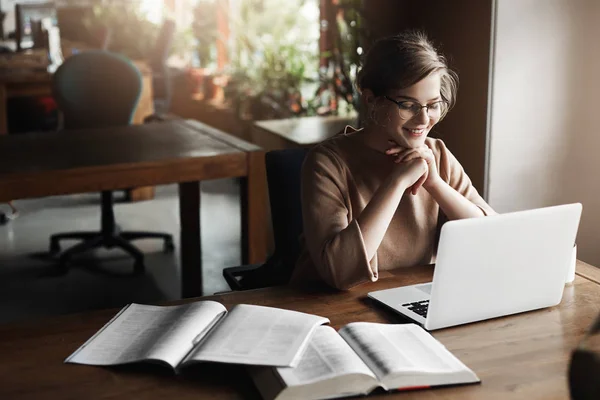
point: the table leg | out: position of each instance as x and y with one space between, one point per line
191 247
255 222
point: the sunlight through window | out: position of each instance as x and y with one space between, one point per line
153 9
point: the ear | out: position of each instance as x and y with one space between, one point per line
368 97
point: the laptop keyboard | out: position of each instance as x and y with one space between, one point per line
418 307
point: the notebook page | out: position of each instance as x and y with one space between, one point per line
256 335
326 356
390 348
142 332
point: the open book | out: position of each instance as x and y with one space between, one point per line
362 357
198 332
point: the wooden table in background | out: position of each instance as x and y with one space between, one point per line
21 85
524 356
178 151
212 112
279 134
40 84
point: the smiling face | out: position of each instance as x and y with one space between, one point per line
397 108
387 116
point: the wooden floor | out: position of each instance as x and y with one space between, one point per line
29 291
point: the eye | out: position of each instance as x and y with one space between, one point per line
408 105
435 106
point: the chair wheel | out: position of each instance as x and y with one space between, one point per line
6 218
138 268
54 247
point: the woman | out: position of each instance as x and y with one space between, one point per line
374 199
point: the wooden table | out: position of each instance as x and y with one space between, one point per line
21 85
40 84
178 151
212 112
297 132
517 357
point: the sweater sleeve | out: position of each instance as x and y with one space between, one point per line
454 174
334 242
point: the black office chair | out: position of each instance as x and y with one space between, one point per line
98 89
283 176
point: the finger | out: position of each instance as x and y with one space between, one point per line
421 180
427 159
409 157
419 183
429 149
413 155
414 189
427 155
395 150
398 151
403 157
396 146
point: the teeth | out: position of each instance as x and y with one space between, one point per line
417 130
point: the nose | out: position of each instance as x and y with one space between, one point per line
422 116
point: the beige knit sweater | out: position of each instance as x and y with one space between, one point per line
339 178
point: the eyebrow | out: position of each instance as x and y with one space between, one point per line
417 101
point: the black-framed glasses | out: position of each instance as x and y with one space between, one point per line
409 109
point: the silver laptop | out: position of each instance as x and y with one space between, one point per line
493 266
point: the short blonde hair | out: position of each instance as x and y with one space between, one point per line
400 61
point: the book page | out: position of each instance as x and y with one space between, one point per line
393 348
326 356
257 335
142 332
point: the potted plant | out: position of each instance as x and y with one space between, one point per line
206 33
274 59
347 33
131 33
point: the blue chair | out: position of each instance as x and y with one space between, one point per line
98 89
283 177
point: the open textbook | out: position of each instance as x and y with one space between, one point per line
362 357
199 332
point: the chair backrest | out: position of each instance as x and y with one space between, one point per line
283 176
97 89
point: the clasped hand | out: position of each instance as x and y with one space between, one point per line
411 166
